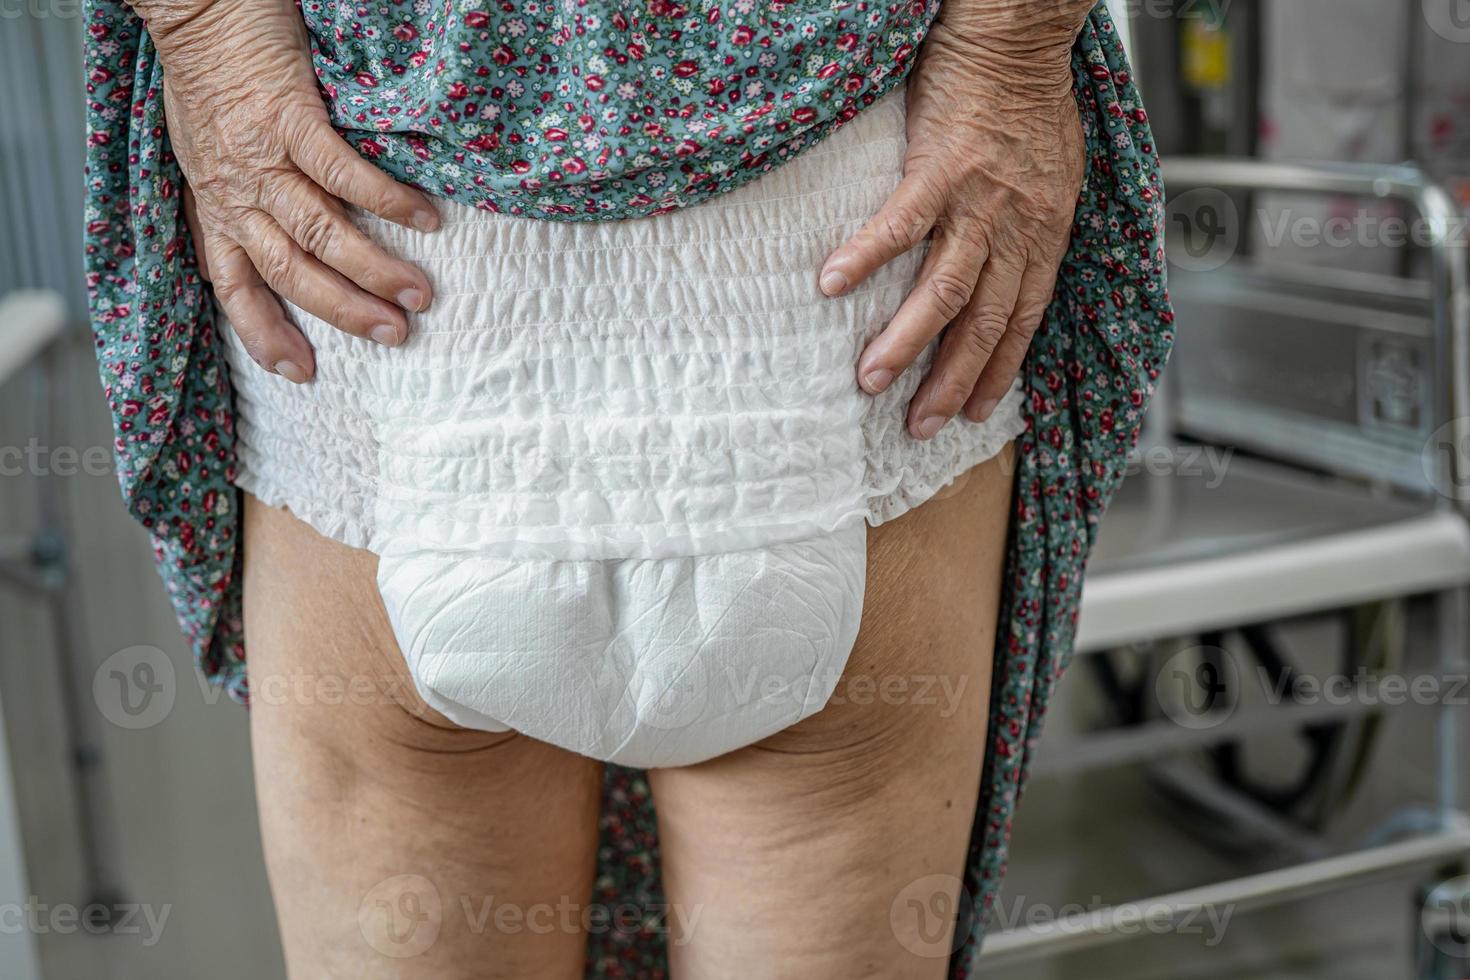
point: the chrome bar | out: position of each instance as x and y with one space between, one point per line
1448 248
19 957
1454 616
1163 737
1450 258
1086 930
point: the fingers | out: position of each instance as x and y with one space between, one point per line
1005 363
942 289
326 294
327 159
256 316
976 334
902 222
319 225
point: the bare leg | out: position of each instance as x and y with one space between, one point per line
398 844
833 848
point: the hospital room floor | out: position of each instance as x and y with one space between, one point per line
1110 836
181 797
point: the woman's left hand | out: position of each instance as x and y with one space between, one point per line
995 162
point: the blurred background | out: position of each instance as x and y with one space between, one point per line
1253 767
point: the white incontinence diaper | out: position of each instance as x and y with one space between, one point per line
620 476
646 662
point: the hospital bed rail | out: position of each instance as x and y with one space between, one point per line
1380 549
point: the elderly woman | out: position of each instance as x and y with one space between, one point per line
609 403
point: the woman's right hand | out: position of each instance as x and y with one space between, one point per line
267 176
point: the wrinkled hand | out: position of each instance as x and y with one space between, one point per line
995 162
267 176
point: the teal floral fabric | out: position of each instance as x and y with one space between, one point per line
602 110
615 110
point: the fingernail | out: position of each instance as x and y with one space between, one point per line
386 334
291 371
833 282
928 428
877 381
411 299
425 220
984 409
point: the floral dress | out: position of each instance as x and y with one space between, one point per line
612 111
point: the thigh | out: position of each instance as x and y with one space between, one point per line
397 844
829 848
